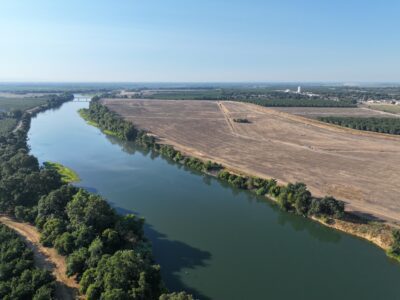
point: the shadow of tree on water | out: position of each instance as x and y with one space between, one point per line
173 256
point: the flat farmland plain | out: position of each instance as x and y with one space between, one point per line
315 112
361 168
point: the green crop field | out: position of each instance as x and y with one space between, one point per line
11 103
390 108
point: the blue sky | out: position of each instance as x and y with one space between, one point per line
204 40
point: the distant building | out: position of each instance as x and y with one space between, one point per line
299 90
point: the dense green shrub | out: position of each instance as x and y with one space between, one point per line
327 206
394 250
126 274
19 279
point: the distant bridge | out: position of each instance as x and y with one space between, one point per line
82 99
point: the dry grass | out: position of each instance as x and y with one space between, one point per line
389 108
359 167
314 112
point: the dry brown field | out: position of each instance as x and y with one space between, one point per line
314 112
361 168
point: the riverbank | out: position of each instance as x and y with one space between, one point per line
85 116
377 233
67 175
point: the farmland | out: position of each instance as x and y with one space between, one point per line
20 103
357 167
389 108
315 112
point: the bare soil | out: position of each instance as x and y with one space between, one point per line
361 168
46 258
315 112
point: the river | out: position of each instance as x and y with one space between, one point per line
210 239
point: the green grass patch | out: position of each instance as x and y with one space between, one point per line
82 112
67 175
109 132
393 255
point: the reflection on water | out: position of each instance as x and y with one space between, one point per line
314 229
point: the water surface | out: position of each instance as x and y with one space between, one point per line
210 239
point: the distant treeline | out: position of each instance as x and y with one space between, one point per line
263 97
382 125
293 197
311 102
19 279
107 252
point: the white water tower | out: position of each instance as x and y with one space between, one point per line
299 90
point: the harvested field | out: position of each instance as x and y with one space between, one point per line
389 108
315 112
361 168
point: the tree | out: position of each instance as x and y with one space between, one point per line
327 206
130 227
77 262
44 293
53 204
88 278
51 230
64 243
111 240
115 294
126 272
96 251
90 210
83 236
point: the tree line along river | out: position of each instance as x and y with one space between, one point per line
210 239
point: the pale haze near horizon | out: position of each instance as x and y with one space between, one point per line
199 41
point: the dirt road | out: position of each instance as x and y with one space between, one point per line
46 258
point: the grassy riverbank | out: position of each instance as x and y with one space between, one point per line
294 198
85 116
67 175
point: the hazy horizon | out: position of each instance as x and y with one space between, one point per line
200 42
